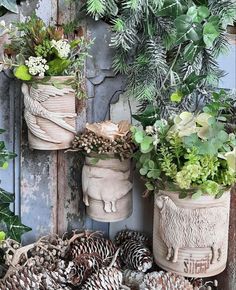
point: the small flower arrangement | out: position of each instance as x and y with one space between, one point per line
105 139
36 50
188 153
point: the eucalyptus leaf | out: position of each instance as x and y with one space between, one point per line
197 194
146 144
143 171
139 136
10 5
149 186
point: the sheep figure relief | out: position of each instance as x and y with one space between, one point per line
105 184
191 228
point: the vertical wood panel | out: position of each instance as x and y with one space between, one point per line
227 280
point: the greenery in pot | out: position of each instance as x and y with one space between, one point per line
37 50
105 139
191 154
10 224
167 49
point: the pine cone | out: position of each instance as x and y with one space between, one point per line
82 267
34 278
24 279
124 235
133 278
136 256
104 279
104 248
164 281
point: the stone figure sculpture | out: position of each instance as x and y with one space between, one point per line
105 184
34 99
188 228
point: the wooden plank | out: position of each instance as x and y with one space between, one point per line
227 279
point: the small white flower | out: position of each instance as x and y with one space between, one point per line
156 140
149 129
37 65
2 23
62 47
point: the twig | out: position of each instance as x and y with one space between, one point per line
114 259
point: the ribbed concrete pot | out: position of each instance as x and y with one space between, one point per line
107 189
50 114
190 237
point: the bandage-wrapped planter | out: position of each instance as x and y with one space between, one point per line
190 236
50 113
107 189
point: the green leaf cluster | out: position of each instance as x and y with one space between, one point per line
10 223
191 153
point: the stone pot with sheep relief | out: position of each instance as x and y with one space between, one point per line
190 236
107 189
50 113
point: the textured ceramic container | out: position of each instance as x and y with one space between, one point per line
107 189
190 236
50 114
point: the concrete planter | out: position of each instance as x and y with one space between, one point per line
50 114
107 189
190 237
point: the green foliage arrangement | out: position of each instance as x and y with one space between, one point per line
37 50
10 224
188 153
168 48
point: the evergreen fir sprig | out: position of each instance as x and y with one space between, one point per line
168 48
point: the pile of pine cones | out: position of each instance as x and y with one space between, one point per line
85 261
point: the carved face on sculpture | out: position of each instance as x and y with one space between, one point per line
160 201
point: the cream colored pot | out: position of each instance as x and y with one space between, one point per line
107 189
50 114
190 237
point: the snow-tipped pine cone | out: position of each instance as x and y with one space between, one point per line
104 279
164 281
125 235
106 249
82 267
136 256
